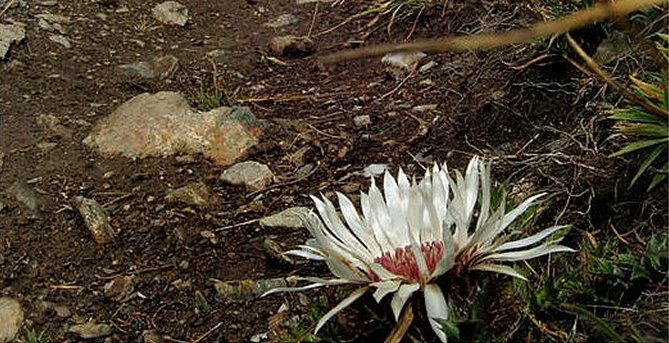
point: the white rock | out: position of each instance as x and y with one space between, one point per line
171 13
11 317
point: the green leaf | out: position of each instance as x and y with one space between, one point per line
637 115
648 130
659 177
647 162
639 145
599 323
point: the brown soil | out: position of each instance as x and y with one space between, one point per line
541 123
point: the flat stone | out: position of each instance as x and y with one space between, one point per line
9 34
290 217
196 193
281 21
251 174
246 290
137 69
62 40
24 194
96 219
91 330
171 13
11 317
164 124
292 46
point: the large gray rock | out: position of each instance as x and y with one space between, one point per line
171 13
11 317
164 124
9 34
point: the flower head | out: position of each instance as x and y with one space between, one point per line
403 241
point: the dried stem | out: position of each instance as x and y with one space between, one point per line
486 41
402 326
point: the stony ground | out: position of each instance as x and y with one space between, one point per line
124 224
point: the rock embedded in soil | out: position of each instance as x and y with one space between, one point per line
290 218
96 219
164 124
2 160
61 40
25 195
196 193
251 174
292 46
137 69
11 317
10 34
91 330
171 13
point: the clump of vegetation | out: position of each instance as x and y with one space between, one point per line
649 128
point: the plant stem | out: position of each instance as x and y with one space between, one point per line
486 41
402 325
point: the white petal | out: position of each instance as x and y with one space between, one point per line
305 254
521 243
513 214
365 234
401 297
484 212
498 268
527 254
342 305
384 288
292 289
437 309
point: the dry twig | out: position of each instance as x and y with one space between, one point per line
487 41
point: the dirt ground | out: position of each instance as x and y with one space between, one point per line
543 125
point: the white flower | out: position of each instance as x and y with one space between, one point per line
403 241
480 249
398 246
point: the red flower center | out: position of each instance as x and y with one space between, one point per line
402 261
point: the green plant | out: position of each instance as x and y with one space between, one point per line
33 337
650 129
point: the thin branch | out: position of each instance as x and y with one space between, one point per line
633 98
487 41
